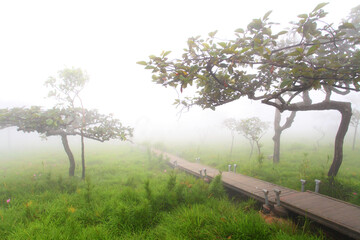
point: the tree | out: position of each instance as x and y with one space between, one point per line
66 89
253 129
355 121
231 124
65 122
278 129
252 65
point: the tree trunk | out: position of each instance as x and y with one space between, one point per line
82 155
354 139
339 140
69 154
258 147
278 131
252 148
345 109
276 139
232 144
82 139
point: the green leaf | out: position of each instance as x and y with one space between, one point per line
268 51
206 46
312 50
303 16
347 26
285 83
49 122
319 6
166 53
212 34
267 15
239 30
222 44
255 24
244 50
300 50
282 32
142 63
294 53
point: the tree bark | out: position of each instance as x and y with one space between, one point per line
69 154
354 139
276 138
252 148
82 155
276 153
232 144
278 131
345 109
339 140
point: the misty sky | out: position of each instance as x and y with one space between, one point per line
107 38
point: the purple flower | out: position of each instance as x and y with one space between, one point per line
8 201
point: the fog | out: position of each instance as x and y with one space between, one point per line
107 38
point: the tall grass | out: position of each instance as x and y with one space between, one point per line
127 195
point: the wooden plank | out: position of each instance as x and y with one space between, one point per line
338 215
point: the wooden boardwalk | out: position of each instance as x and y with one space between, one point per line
333 213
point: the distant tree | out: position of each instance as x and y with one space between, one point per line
231 124
278 129
322 135
355 120
65 122
252 65
253 129
66 90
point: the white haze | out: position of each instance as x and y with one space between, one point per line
107 38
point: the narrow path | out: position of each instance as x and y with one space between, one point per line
333 213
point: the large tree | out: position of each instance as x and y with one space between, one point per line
65 122
252 65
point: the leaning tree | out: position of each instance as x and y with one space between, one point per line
326 57
65 122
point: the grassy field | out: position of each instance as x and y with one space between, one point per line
298 161
128 194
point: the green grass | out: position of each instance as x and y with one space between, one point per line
128 194
298 161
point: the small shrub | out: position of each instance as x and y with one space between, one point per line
216 188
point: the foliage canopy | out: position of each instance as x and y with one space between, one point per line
258 65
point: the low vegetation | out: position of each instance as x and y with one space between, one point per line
298 161
128 194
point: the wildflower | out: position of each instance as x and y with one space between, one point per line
354 193
165 171
72 209
28 204
8 201
34 175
